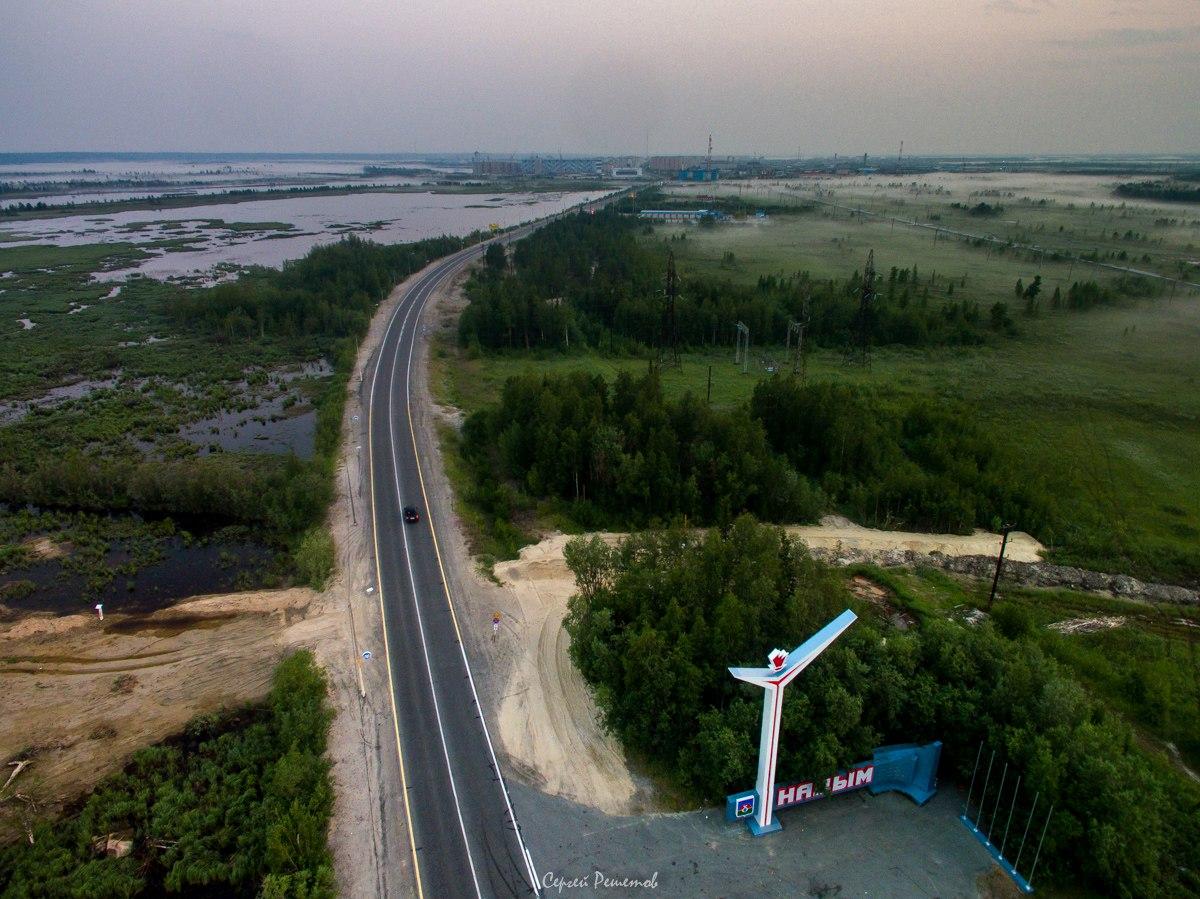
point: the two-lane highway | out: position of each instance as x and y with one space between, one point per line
462 830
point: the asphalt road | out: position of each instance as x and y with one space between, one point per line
463 833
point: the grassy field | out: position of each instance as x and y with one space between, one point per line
1102 402
1116 426
1072 216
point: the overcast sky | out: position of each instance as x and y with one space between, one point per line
764 76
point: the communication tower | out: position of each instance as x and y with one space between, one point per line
668 347
797 327
859 349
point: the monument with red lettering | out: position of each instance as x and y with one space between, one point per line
908 768
784 666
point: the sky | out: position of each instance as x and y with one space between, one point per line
764 77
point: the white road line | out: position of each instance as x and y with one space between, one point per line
413 584
412 839
531 870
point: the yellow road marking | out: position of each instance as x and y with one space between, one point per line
412 838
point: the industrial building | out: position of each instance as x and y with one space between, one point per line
681 215
502 168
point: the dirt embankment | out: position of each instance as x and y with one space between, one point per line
81 694
838 535
840 542
548 720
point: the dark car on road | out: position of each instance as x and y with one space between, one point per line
411 515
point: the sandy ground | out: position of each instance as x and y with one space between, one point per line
80 694
835 532
547 718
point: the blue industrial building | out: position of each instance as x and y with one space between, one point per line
680 215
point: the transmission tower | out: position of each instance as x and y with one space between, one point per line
668 346
708 173
741 354
859 349
797 327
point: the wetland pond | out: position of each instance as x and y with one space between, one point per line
133 573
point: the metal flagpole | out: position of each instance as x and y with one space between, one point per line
983 795
967 804
996 807
1038 854
1026 834
1011 809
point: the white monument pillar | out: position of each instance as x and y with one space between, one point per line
784 666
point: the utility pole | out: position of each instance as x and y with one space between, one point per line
742 352
999 564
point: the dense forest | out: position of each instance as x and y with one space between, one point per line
238 805
657 619
623 456
626 456
589 281
889 462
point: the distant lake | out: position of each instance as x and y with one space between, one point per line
382 217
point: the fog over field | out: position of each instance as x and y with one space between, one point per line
768 76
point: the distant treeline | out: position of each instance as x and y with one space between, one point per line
1170 190
238 805
626 457
588 280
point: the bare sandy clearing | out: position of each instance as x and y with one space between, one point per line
835 532
548 721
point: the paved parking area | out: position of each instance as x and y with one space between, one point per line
855 845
